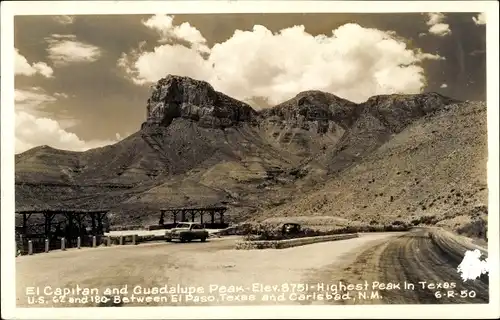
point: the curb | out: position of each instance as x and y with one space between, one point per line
282 244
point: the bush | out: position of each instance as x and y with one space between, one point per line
428 220
476 229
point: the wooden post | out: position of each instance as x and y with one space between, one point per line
47 245
212 214
78 242
94 242
46 224
78 219
193 213
25 223
108 241
63 244
100 228
183 216
49 226
174 213
30 247
121 240
71 229
92 215
21 239
134 239
201 217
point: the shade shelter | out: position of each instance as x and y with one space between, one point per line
211 217
53 224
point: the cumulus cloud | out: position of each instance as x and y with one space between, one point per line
35 127
23 67
64 19
480 19
32 131
66 49
163 24
436 25
353 62
444 85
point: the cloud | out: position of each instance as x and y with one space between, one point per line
61 95
477 52
436 25
163 24
22 67
353 62
32 131
444 85
32 99
64 19
34 127
428 56
480 19
66 49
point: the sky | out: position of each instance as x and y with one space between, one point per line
82 81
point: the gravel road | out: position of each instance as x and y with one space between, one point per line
216 266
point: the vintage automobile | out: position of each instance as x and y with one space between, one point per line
187 231
290 228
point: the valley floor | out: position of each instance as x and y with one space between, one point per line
376 257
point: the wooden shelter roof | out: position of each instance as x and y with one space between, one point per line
195 209
73 211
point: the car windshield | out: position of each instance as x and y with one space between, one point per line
182 225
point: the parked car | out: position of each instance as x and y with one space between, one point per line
187 231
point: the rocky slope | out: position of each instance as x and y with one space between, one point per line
315 155
432 172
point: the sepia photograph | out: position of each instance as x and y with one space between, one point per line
217 154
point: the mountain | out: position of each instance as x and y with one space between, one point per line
315 155
433 171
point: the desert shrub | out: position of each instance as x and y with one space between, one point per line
399 227
262 232
398 223
274 232
476 228
428 220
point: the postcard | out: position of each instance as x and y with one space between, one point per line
249 159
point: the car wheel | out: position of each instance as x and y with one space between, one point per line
183 239
203 239
169 240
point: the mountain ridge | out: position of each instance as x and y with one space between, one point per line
200 147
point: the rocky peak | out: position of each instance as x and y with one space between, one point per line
184 97
396 111
315 105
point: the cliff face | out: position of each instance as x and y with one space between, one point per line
396 111
183 97
308 123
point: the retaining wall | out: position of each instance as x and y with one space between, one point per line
282 244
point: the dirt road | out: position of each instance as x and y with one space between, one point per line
426 258
288 276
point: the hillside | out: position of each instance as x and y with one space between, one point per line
432 172
315 155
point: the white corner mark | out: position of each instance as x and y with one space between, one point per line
472 266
